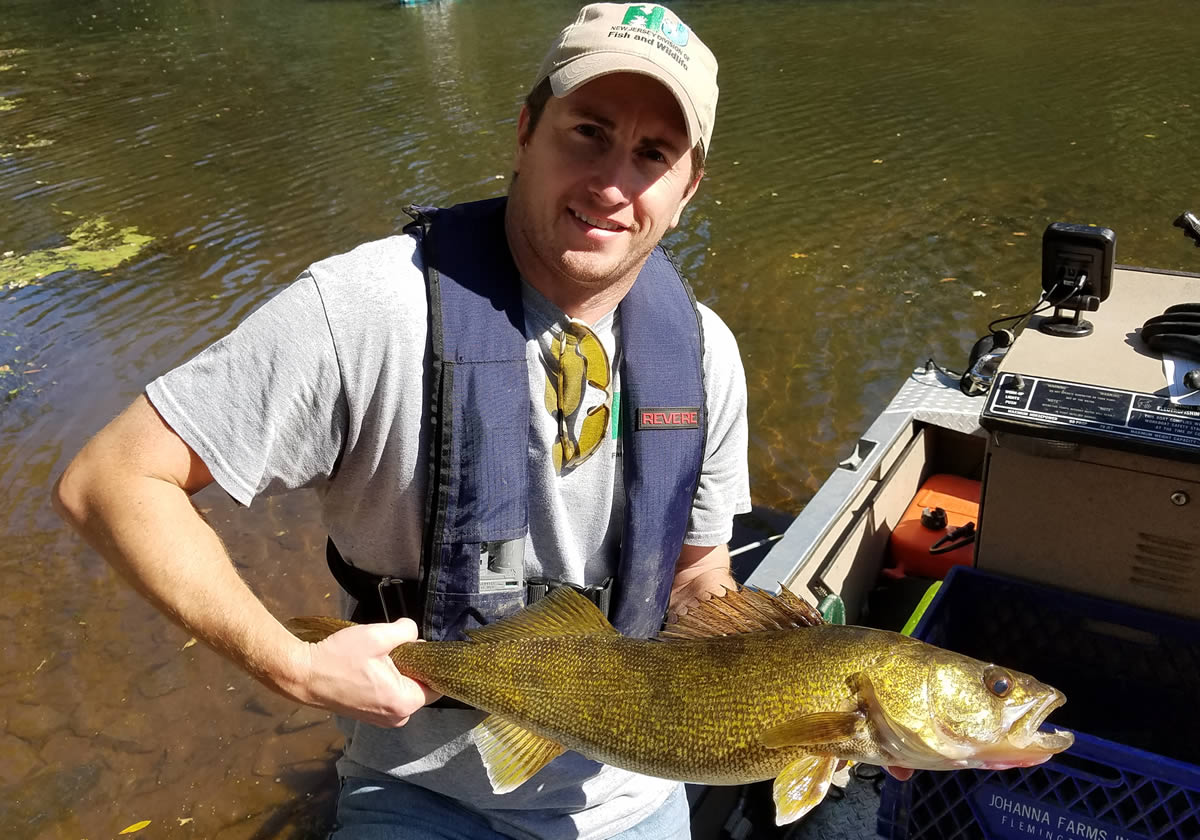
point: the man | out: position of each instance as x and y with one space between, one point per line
517 395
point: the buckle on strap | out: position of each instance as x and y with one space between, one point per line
600 594
394 585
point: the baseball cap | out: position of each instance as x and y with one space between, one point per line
637 38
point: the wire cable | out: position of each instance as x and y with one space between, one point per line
1044 299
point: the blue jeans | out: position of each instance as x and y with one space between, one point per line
372 810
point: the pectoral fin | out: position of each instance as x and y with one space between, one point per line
511 753
801 787
819 728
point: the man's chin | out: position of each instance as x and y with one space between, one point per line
587 268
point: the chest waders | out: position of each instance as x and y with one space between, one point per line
477 510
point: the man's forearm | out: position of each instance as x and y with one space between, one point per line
148 530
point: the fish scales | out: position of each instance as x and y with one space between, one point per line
684 709
744 687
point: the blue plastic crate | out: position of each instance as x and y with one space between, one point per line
1132 680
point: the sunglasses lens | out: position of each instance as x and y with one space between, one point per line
594 427
597 360
581 361
570 376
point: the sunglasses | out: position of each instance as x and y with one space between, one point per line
581 359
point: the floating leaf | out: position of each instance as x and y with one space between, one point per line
184 820
877 160
137 826
978 293
948 279
1018 233
188 643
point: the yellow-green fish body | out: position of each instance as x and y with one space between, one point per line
745 688
691 709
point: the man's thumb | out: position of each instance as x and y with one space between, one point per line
398 632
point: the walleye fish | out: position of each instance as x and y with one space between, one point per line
745 687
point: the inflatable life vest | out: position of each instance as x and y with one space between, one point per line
479 414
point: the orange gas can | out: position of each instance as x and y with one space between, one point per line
917 548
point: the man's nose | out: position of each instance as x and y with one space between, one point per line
611 178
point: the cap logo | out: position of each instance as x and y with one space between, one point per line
655 19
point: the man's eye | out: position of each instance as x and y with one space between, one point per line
588 130
654 155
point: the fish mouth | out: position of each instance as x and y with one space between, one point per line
1027 743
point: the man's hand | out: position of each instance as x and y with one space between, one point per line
900 773
700 573
351 674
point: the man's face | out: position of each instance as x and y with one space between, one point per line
605 173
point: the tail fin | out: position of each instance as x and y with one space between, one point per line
314 628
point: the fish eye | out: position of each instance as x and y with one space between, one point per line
998 681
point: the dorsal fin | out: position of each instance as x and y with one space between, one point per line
564 612
744 610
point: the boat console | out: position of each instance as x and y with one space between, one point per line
1092 473
1085 441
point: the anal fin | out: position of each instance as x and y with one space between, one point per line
801 787
511 753
818 728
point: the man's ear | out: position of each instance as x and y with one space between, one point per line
687 196
522 137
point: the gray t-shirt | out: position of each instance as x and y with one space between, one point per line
325 386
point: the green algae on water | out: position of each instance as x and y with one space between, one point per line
95 246
32 141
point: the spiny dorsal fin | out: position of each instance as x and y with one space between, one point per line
511 753
744 610
801 787
564 612
314 628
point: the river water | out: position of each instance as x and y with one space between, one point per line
879 180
